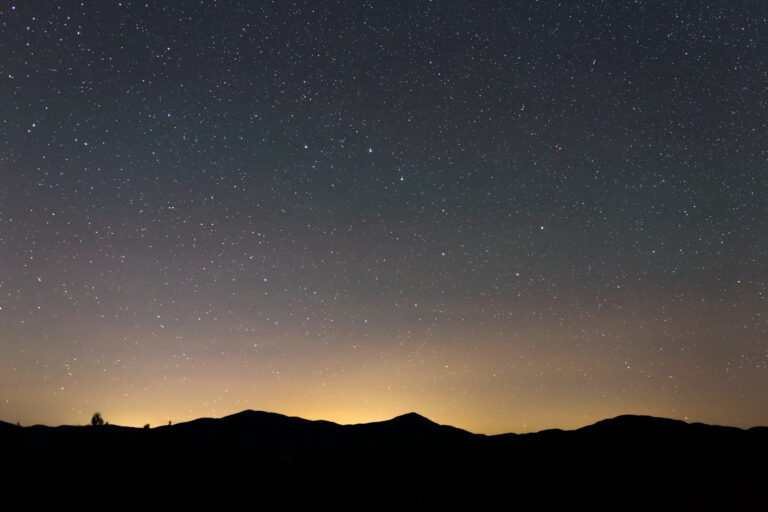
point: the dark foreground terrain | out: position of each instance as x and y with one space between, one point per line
257 460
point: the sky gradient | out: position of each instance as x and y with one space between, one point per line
505 216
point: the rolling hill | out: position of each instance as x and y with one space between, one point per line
628 462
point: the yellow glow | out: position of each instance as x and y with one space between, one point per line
533 380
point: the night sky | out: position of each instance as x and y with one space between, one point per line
506 216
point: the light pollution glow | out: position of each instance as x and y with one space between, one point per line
552 381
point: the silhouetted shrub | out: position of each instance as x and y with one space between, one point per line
97 420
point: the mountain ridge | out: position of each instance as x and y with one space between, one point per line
414 419
627 462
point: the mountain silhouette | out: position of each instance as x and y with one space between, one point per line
627 462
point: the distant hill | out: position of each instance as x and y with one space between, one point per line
628 462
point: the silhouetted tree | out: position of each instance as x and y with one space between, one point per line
97 420
146 426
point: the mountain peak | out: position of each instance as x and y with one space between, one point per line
412 417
